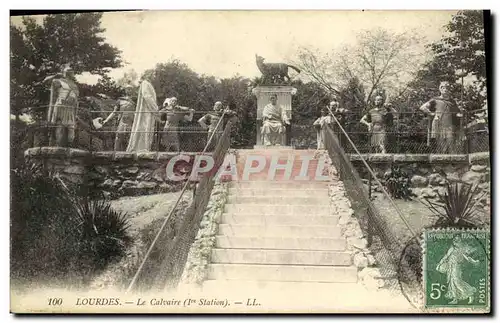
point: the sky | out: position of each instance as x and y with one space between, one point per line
224 43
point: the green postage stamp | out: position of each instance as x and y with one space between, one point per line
456 269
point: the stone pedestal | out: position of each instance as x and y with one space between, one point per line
284 94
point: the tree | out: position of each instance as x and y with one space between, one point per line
175 79
464 47
460 53
39 50
379 59
129 77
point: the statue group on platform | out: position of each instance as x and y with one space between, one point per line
138 119
381 118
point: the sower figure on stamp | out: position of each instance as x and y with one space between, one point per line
445 120
452 264
212 119
273 118
63 106
374 120
320 124
125 107
174 114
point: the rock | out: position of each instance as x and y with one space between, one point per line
472 177
436 179
129 184
132 170
371 260
427 192
75 169
360 261
478 168
441 191
344 220
358 243
419 181
370 272
485 186
101 170
107 183
373 283
148 185
453 176
116 183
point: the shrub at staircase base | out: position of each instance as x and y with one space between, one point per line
199 255
59 234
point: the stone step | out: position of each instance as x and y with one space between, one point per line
281 200
278 192
277 209
258 231
294 185
290 273
291 243
281 257
275 219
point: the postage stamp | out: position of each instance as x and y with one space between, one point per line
456 269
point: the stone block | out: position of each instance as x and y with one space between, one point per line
147 155
75 169
79 153
448 158
123 156
413 158
419 181
54 152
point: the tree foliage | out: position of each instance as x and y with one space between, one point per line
458 54
379 59
39 50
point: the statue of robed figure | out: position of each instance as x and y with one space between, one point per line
146 113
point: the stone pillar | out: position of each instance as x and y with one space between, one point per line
263 94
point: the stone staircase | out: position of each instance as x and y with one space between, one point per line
280 231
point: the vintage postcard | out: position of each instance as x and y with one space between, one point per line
250 162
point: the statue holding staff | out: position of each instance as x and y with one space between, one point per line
210 120
445 116
125 107
374 120
320 124
174 114
63 106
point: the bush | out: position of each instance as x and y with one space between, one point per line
455 208
397 183
56 233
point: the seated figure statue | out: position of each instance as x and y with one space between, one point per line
273 119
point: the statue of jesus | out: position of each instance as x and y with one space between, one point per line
273 118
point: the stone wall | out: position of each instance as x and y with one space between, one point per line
115 173
430 173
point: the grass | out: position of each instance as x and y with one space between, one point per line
146 215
